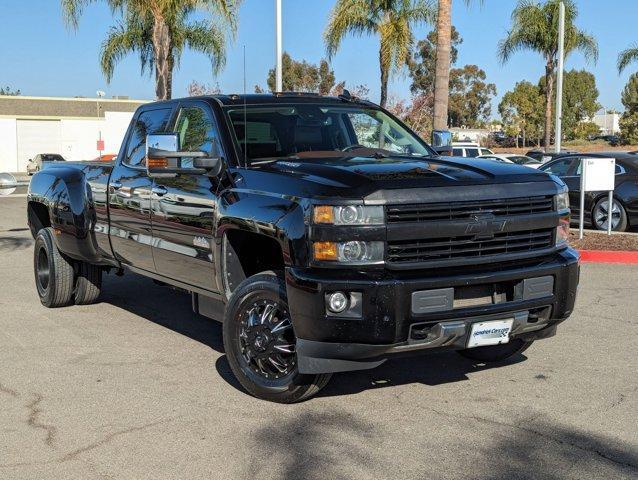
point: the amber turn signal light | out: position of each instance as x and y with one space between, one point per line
157 162
325 250
323 214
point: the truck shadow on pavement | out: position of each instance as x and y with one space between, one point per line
339 444
172 309
11 243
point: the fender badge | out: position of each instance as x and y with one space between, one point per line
201 242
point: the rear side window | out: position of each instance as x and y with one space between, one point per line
149 122
486 151
560 167
457 152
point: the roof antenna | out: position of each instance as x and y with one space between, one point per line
245 122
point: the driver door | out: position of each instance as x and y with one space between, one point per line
183 207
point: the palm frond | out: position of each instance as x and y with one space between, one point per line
204 37
627 56
126 37
356 17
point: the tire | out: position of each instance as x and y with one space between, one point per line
599 215
496 353
256 326
88 284
54 276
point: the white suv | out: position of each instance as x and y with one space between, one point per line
465 149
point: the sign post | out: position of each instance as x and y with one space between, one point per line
100 145
597 175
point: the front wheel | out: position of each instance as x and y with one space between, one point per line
260 342
601 215
496 353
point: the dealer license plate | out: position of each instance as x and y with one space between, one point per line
493 332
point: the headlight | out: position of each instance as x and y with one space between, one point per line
348 215
562 201
353 252
562 231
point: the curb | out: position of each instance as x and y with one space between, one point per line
608 256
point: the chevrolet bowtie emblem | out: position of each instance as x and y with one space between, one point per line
484 225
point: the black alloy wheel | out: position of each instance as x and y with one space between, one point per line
601 215
266 339
260 341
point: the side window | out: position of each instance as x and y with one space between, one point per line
457 152
149 122
486 151
196 131
472 152
559 168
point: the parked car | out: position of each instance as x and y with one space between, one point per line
322 246
514 158
625 204
37 163
544 157
106 157
612 140
469 149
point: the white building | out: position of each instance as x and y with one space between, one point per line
609 123
68 126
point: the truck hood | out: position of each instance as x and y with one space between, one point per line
370 174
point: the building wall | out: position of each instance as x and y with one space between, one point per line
8 145
81 121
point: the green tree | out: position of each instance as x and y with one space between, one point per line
301 76
422 62
580 102
627 56
9 92
629 96
158 31
470 100
535 27
629 120
391 20
521 111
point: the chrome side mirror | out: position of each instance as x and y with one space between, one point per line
164 158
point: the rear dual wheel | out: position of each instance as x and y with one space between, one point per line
260 342
60 281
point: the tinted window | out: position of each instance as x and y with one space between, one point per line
472 152
560 167
485 151
300 131
51 157
149 122
457 152
196 132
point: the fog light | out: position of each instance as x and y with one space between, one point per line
337 302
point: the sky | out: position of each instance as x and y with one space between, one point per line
41 57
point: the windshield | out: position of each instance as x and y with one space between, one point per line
52 157
310 131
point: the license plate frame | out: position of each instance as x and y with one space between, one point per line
490 332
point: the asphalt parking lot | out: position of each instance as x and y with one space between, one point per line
138 386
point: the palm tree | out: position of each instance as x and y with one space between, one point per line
442 69
535 27
391 20
443 62
158 31
627 56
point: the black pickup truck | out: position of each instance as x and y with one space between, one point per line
322 232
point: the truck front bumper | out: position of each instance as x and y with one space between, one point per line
391 323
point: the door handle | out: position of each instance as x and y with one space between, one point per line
116 185
160 190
